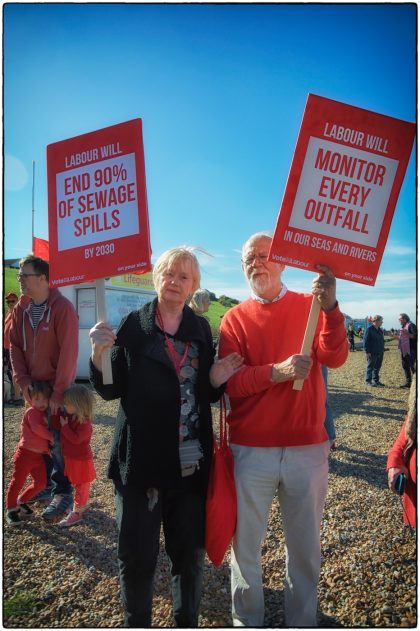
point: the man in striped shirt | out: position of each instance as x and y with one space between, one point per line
44 347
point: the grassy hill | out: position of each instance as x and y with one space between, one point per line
214 314
10 282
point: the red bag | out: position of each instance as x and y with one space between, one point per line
221 496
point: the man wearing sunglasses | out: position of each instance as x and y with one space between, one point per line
44 346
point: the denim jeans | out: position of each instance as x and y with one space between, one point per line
182 514
61 484
373 367
329 417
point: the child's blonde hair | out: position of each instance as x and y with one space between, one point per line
82 399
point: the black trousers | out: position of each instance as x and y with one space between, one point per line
182 513
407 362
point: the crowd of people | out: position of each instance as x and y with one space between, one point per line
166 375
374 347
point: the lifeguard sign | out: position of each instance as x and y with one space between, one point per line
343 186
97 205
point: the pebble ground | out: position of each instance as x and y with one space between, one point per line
67 578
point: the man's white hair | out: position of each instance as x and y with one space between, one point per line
256 237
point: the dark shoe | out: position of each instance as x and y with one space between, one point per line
406 385
12 517
371 383
60 505
42 496
25 511
327 622
379 383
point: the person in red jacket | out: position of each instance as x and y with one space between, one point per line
277 434
35 439
76 433
11 300
402 458
44 337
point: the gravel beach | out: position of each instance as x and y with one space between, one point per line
67 578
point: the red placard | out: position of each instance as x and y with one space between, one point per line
97 205
342 189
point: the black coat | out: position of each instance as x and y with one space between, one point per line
145 448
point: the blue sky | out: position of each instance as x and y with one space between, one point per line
221 91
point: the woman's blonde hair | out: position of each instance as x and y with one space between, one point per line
174 256
82 399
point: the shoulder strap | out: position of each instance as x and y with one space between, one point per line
223 439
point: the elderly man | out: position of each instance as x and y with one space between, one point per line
277 433
44 338
374 346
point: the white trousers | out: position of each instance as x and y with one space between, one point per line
300 476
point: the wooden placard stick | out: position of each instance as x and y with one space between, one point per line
309 335
102 317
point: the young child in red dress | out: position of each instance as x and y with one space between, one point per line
76 433
35 439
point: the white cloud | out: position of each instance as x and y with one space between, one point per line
398 279
389 308
15 174
394 249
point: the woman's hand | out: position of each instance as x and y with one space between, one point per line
323 287
393 474
223 369
63 421
101 337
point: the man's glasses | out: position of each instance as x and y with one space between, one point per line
256 257
20 276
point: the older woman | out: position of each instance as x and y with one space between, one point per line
165 375
200 301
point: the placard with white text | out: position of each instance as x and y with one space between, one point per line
342 189
97 205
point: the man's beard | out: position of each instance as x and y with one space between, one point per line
260 283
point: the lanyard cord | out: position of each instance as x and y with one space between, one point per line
176 360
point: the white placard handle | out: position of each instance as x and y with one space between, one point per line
102 317
309 335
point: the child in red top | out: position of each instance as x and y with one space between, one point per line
35 439
76 432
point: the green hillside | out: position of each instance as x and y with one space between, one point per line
214 314
10 282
